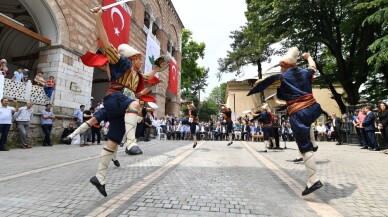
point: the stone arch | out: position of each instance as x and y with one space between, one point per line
44 18
37 16
158 22
148 9
160 15
175 36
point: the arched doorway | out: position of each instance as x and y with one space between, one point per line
100 85
31 23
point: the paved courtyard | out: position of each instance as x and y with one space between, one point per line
173 179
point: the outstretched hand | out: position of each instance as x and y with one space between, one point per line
97 11
306 56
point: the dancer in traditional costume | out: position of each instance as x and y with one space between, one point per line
121 110
296 89
132 83
193 118
227 115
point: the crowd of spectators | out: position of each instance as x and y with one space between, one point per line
365 123
247 128
21 74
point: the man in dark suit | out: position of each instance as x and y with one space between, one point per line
337 123
369 126
246 131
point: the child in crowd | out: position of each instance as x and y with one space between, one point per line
49 87
18 74
3 67
39 80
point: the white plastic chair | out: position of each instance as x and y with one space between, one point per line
161 134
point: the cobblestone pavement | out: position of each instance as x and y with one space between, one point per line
172 179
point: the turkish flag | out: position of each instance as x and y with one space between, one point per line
117 22
173 80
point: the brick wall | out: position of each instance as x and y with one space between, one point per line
78 35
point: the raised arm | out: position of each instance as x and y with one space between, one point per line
310 60
144 91
100 28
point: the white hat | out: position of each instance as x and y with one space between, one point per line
127 51
291 56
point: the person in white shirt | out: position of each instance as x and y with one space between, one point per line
321 131
6 113
163 124
23 118
158 125
154 124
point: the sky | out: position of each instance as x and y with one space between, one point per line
211 22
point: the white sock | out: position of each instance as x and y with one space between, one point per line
195 138
130 129
230 137
311 167
312 137
81 129
105 159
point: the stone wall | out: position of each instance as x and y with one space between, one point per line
36 134
73 79
78 35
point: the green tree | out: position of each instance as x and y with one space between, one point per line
207 109
376 86
193 77
330 30
210 106
218 94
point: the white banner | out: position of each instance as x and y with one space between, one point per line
1 86
152 52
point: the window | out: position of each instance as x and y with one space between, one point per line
147 19
173 50
169 46
154 28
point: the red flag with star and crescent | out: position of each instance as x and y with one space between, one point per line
173 80
117 22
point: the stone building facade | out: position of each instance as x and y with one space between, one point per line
70 28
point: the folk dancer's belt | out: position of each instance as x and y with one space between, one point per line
300 103
121 88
